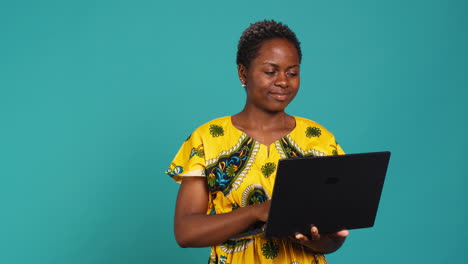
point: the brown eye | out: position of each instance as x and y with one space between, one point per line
269 73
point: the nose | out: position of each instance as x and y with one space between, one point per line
282 80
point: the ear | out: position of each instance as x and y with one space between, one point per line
242 72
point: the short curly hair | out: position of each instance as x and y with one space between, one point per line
252 38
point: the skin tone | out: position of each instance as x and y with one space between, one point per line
272 80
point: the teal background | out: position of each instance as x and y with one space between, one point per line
97 96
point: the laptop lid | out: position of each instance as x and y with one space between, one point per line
330 192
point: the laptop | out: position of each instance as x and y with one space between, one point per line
330 192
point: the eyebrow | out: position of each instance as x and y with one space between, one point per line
276 65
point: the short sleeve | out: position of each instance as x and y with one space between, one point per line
336 148
339 150
189 160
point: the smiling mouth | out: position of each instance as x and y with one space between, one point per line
279 96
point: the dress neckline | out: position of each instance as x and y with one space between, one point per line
247 135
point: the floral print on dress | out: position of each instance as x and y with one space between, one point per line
313 132
198 151
268 169
232 246
216 131
222 174
174 170
254 194
239 172
270 249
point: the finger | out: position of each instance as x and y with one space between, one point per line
301 237
342 233
314 233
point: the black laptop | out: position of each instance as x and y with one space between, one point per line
330 192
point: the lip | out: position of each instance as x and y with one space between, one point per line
279 96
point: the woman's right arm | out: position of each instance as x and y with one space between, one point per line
194 228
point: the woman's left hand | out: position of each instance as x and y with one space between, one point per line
322 243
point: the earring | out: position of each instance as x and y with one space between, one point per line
243 84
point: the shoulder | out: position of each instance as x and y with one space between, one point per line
310 127
313 136
216 136
215 127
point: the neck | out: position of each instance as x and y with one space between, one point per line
264 127
256 119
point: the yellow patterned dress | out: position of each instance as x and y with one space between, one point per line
240 171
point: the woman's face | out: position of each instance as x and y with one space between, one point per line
272 78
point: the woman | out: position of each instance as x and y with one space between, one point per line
227 166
